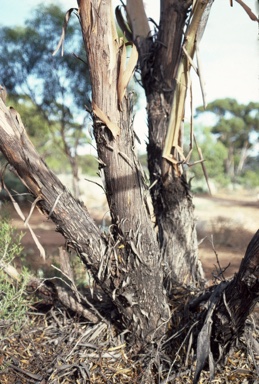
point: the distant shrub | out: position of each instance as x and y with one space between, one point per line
88 165
250 179
14 185
14 302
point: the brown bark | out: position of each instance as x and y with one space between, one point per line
223 320
54 200
171 194
131 224
133 283
240 297
129 263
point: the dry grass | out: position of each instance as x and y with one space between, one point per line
56 348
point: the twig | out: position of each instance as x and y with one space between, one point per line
55 204
26 373
177 352
32 209
219 270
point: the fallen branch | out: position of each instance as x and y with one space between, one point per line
52 293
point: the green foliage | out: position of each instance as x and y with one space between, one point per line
10 244
58 163
237 129
35 123
214 152
249 179
14 304
88 165
27 61
49 92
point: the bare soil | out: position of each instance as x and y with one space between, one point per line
225 223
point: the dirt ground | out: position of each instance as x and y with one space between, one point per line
225 223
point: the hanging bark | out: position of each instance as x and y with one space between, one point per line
133 283
131 224
129 263
171 196
227 309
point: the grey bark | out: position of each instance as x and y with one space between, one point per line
130 263
171 195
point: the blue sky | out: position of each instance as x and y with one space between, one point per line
229 49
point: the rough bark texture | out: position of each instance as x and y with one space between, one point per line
223 320
140 283
128 274
129 263
171 195
70 216
240 297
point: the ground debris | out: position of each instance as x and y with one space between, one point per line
58 348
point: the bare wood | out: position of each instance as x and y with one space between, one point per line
138 19
193 36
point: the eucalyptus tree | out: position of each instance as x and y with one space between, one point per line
237 128
149 256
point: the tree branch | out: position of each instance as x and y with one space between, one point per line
80 232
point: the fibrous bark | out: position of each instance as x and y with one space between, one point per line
139 285
223 320
171 196
133 263
127 272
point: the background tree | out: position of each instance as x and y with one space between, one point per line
214 154
237 128
53 89
141 268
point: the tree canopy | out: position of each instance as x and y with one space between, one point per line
237 128
55 89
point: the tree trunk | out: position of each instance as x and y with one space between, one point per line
140 282
241 295
133 263
170 193
243 158
126 265
227 309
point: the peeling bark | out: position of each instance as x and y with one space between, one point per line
229 305
240 298
127 272
171 196
133 263
139 281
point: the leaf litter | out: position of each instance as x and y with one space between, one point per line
55 346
